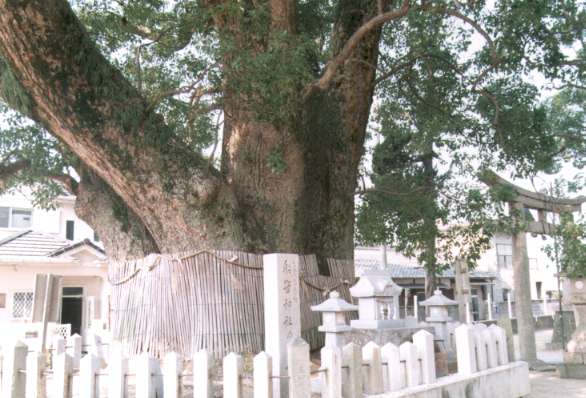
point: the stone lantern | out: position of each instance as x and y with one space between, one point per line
438 305
378 302
334 319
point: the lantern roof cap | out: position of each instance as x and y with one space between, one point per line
375 284
438 300
334 304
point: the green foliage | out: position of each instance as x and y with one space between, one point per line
448 111
572 235
449 101
275 162
568 249
22 140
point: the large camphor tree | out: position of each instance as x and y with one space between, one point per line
239 124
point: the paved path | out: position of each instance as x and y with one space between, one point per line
549 384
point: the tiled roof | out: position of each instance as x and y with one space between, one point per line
29 243
36 244
402 271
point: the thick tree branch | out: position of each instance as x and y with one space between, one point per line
9 170
378 21
351 44
67 181
87 104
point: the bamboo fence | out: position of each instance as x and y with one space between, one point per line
209 300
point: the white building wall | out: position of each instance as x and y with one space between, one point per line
542 268
47 221
21 278
393 257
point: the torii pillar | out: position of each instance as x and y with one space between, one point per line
522 291
519 205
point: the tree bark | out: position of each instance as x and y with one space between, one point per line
171 199
429 222
120 231
87 104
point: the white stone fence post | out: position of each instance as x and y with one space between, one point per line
350 372
479 348
25 374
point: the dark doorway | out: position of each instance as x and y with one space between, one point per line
72 308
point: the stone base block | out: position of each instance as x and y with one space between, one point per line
377 324
381 337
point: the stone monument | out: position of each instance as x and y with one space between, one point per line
379 319
282 313
378 301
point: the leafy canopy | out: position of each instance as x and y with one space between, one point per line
447 112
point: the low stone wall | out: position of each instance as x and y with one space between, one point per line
507 381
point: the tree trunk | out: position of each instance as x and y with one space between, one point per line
429 222
287 188
120 231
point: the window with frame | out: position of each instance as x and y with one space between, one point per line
69 229
15 218
504 253
22 304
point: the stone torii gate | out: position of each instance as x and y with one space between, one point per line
522 201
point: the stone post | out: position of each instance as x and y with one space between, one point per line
262 376
282 313
35 375
172 368
334 319
352 360
462 295
415 308
201 375
466 352
406 301
299 369
13 370
522 285
468 313
489 305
